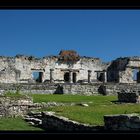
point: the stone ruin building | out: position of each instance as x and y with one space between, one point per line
68 67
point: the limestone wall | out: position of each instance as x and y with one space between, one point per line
129 96
134 63
53 123
126 76
82 67
121 70
123 122
82 89
26 65
20 69
10 107
116 66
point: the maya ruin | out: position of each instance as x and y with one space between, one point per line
69 73
68 67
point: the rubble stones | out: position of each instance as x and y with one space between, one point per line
13 107
129 96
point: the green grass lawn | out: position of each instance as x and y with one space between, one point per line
73 98
15 95
94 114
98 107
16 124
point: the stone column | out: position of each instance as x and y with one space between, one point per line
89 76
70 77
105 77
51 76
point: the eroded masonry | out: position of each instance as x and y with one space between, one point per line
68 67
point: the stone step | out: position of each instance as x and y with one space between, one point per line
34 120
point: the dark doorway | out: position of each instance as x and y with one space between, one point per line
101 77
59 90
37 76
136 75
66 77
74 77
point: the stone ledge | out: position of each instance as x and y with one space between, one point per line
129 96
52 122
122 122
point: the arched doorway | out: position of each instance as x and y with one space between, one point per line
66 77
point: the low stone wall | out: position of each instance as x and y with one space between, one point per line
82 89
123 122
29 88
128 96
53 123
13 107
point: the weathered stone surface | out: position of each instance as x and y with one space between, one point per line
79 69
20 68
51 122
121 70
82 104
14 107
82 89
34 121
123 122
54 123
129 96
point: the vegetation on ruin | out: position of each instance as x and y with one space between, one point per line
68 56
16 124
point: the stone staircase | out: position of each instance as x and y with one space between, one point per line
34 118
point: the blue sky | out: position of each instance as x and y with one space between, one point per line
107 34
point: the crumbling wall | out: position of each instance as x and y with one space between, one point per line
126 76
12 107
122 122
54 123
129 96
8 72
81 67
9 75
116 69
121 70
52 63
81 89
93 64
134 62
26 65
